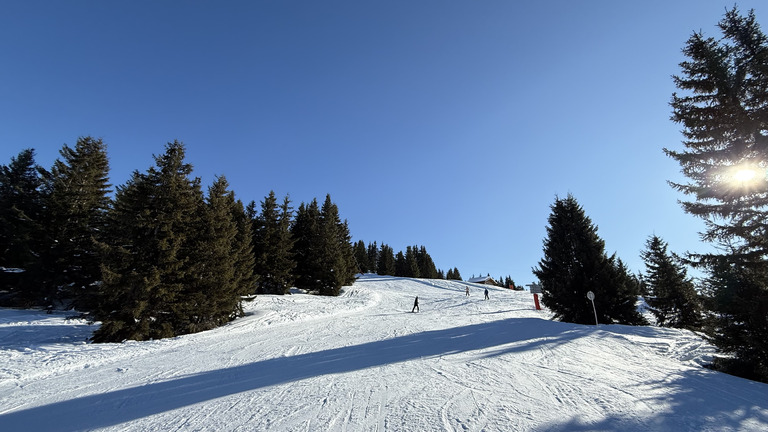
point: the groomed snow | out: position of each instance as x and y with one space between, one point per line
364 362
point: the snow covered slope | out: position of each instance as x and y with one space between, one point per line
364 362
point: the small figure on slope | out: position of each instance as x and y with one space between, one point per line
415 305
486 293
467 291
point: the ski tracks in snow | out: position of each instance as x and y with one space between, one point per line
363 362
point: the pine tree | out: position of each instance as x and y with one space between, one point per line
242 251
401 266
373 256
574 263
337 256
306 247
411 262
454 274
427 267
21 230
273 246
736 295
150 258
213 297
361 256
724 123
75 219
386 262
672 296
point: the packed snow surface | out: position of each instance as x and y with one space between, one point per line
364 362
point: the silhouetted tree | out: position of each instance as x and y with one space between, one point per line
574 263
672 296
273 245
725 128
75 219
21 231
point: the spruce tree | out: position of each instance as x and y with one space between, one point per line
454 274
672 296
273 246
361 256
339 267
75 219
722 111
427 267
150 260
212 297
373 257
386 262
21 231
242 251
401 266
574 263
411 262
306 247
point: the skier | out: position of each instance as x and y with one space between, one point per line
415 305
486 293
467 291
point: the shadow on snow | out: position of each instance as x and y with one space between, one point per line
119 406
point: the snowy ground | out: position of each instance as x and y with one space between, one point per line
363 362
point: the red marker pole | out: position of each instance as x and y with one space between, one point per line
536 301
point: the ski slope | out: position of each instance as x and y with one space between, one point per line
364 362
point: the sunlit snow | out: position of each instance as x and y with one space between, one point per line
364 362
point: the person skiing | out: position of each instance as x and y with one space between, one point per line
467 291
486 293
415 305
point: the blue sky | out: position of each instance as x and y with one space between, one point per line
448 124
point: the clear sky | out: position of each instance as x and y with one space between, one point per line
448 124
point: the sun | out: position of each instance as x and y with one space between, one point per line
745 175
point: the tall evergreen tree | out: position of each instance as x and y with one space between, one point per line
244 259
411 262
672 296
453 274
361 256
75 219
273 246
212 297
306 247
427 267
21 230
401 265
574 263
149 260
722 110
373 256
339 267
386 262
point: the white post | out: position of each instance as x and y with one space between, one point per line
591 297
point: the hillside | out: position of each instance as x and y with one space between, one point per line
363 361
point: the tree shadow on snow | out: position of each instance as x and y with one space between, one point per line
692 400
25 337
116 407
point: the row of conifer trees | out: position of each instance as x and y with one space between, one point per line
161 257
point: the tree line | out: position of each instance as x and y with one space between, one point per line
723 109
162 257
415 262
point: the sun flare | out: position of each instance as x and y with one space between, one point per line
745 175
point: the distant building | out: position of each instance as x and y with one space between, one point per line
487 280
